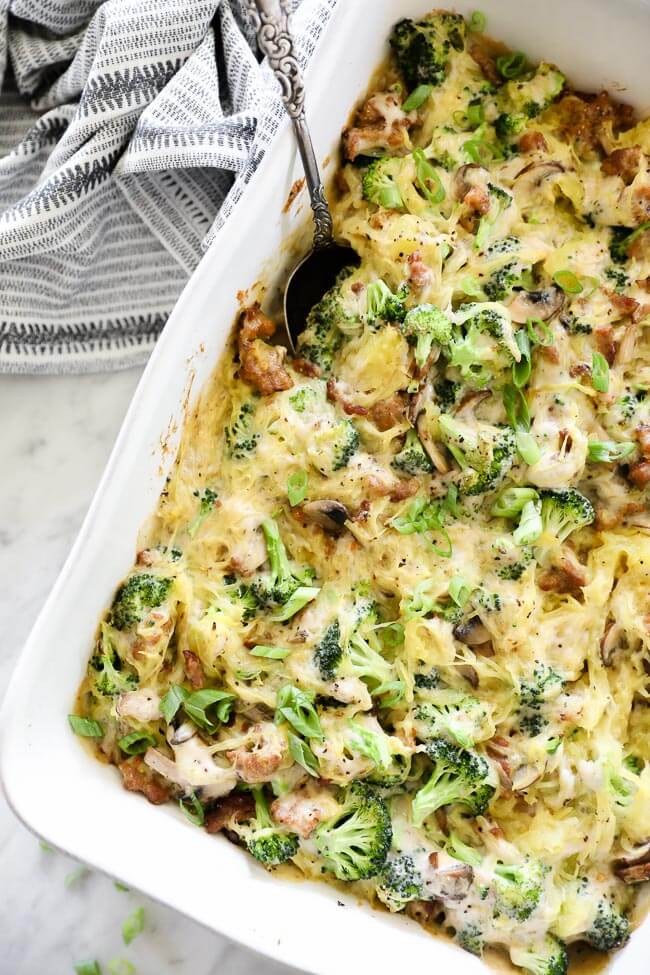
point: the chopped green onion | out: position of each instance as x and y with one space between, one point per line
592 283
599 372
417 97
85 727
478 151
427 178
450 503
392 635
539 332
75 875
295 706
136 743
297 487
478 22
516 407
552 745
209 708
483 233
121 966
568 281
302 754
274 653
297 601
87 968
459 590
609 451
133 926
511 501
527 446
121 887
192 809
175 697
530 524
45 847
471 287
512 65
521 370
475 115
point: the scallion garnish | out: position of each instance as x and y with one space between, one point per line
539 332
273 653
459 590
209 708
302 754
599 372
297 487
296 706
568 281
136 742
192 809
511 501
521 370
133 925
609 451
87 968
530 524
85 727
427 179
417 97
516 407
512 65
477 22
172 701
75 875
478 151
120 966
392 635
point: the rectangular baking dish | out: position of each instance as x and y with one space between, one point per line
53 785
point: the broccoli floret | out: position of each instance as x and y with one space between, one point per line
505 245
446 394
502 281
391 766
518 888
471 939
346 444
379 186
207 501
333 444
427 681
620 240
322 337
281 585
529 97
365 661
400 882
508 125
110 679
618 277
459 776
327 654
485 453
549 957
511 560
610 928
454 715
570 324
303 397
544 683
489 601
629 404
140 593
241 441
264 839
424 326
383 304
413 458
422 47
565 511
633 763
354 844
471 352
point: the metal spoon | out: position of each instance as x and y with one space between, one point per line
316 272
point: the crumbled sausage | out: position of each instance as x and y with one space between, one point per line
604 336
588 119
386 413
419 274
405 489
137 777
623 162
623 304
231 809
379 123
639 473
641 204
337 393
307 368
261 364
261 755
532 142
486 63
193 669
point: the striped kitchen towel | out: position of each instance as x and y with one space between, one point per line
128 130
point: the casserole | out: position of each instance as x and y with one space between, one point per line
29 772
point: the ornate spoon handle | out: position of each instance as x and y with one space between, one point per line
275 41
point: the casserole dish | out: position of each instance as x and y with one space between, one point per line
239 905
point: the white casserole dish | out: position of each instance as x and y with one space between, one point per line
53 785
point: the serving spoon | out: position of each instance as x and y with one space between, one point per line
316 272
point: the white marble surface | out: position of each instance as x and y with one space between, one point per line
56 437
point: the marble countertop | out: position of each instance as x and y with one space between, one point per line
57 435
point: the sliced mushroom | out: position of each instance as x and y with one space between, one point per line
470 401
329 515
537 173
434 451
467 178
453 884
472 632
536 304
634 867
183 733
468 673
524 776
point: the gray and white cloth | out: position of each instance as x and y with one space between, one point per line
128 131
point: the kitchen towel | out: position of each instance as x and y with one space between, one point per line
128 131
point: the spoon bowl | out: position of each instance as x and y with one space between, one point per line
310 280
